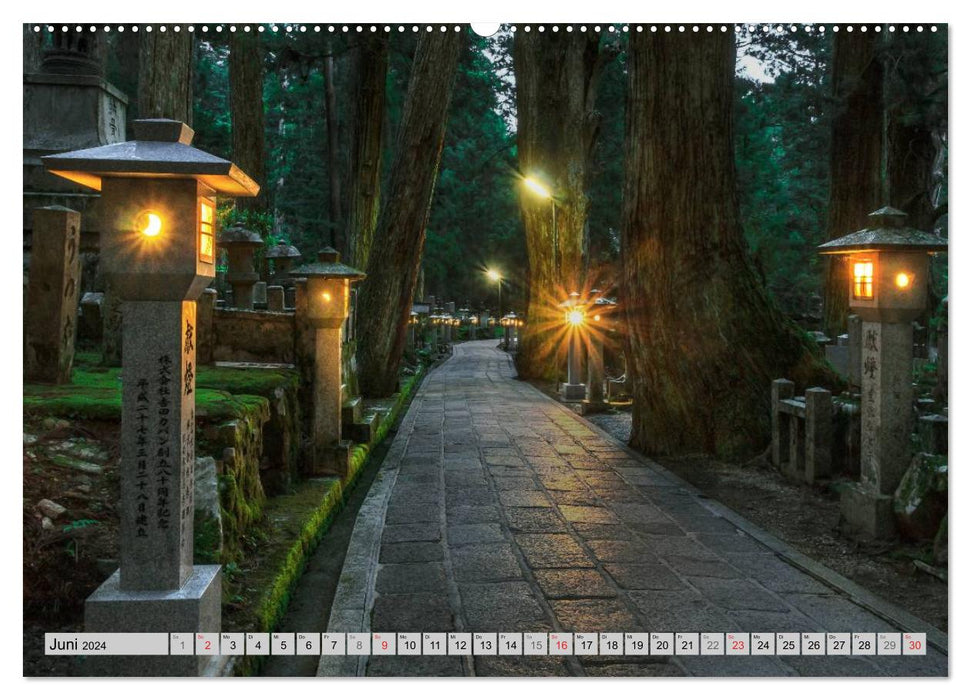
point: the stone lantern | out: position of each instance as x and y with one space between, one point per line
284 257
507 322
413 320
158 252
575 316
241 245
599 320
888 264
328 306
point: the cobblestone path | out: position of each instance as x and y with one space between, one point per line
499 510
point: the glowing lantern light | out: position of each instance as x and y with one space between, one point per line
863 280
149 224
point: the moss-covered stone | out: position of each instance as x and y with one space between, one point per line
920 502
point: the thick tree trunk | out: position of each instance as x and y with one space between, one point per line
369 73
165 76
856 158
246 111
556 82
704 339
386 295
333 160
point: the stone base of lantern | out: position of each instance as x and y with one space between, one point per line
588 406
196 607
573 392
333 460
866 514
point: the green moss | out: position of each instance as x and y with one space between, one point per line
207 541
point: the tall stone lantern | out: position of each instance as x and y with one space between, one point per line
328 305
284 257
576 317
158 252
888 264
241 245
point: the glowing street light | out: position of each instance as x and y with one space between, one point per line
538 188
575 316
496 277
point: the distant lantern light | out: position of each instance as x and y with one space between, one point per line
574 317
903 280
148 223
863 279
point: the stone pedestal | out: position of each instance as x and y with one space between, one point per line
886 424
819 434
194 607
157 444
259 294
855 360
205 315
275 298
52 296
594 400
329 458
111 348
574 390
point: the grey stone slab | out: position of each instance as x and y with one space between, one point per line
573 583
507 606
523 498
600 531
411 612
575 498
410 552
627 495
598 669
934 664
535 520
512 666
412 532
411 578
767 621
738 594
469 497
558 481
735 666
415 666
689 566
738 542
644 575
833 666
620 550
776 574
657 527
679 611
666 545
546 551
406 514
480 563
467 478
588 514
457 515
515 483
476 533
594 615
836 613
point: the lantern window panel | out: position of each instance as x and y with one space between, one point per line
863 279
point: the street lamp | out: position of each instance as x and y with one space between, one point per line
575 316
541 190
496 277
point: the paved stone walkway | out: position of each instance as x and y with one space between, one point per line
498 510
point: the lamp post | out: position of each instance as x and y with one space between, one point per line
496 277
889 266
158 253
575 315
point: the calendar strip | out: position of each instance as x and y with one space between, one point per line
488 644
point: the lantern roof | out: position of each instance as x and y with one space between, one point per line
328 266
239 236
282 250
161 149
886 232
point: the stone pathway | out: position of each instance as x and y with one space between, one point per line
499 510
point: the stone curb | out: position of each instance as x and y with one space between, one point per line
857 594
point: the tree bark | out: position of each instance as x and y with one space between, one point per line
704 339
387 293
333 159
165 76
246 112
856 158
556 83
369 73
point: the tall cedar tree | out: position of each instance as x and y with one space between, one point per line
704 339
856 158
246 110
556 87
165 76
333 157
386 295
369 71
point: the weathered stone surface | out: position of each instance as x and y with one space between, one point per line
920 502
573 583
478 563
52 296
424 577
50 509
